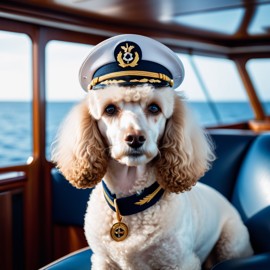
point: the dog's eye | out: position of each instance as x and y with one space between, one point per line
111 110
154 108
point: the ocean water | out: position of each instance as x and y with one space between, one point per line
16 124
15 133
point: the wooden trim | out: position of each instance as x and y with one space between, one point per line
235 126
69 36
252 95
13 26
8 184
68 239
47 226
259 126
183 37
33 210
6 231
18 168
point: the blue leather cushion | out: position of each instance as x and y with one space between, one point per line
259 231
230 148
258 262
77 261
252 190
69 203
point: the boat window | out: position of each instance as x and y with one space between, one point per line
222 89
260 23
63 61
258 70
192 92
15 98
221 21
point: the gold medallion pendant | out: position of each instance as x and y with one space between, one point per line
119 230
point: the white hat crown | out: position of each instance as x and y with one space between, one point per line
129 60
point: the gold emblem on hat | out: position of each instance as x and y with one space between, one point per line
119 230
128 58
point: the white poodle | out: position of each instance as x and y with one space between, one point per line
149 212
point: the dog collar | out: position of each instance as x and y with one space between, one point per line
135 203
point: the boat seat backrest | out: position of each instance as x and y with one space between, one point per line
242 170
252 190
68 203
231 146
251 194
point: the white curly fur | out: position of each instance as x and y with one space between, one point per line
192 224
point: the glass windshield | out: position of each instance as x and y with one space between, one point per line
258 70
63 61
215 91
260 23
15 98
221 21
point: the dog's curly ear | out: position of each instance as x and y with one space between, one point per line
185 151
79 151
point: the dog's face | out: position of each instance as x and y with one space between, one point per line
132 120
136 124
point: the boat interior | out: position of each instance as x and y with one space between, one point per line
41 214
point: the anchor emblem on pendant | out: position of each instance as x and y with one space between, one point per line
119 230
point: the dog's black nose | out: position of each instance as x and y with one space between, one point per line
135 141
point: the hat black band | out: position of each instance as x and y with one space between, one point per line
144 72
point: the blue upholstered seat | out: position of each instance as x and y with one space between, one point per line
241 172
231 146
79 260
252 189
256 262
69 203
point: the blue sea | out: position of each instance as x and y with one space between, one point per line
16 124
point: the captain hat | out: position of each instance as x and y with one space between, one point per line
129 60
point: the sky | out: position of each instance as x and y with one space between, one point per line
15 66
63 61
